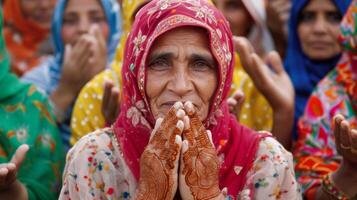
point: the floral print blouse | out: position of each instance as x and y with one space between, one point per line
96 169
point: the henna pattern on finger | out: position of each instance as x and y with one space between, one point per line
201 164
157 173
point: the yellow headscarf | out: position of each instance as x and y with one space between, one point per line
87 115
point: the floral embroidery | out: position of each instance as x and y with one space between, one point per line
203 12
135 114
138 41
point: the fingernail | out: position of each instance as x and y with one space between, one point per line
158 123
178 139
189 107
180 113
178 105
180 125
186 121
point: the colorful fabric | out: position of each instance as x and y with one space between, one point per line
256 112
304 72
26 119
23 38
87 115
47 76
315 150
96 169
250 165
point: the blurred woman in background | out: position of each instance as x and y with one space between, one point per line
85 34
98 102
326 149
313 48
26 32
31 150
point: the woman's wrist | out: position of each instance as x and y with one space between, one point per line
345 178
61 98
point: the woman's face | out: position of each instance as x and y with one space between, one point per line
318 29
79 16
238 16
180 67
39 11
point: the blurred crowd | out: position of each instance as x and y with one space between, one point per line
73 71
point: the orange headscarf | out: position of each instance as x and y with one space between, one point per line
22 37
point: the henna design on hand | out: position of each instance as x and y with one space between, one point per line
158 170
201 165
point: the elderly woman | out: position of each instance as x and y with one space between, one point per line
81 30
313 50
31 150
174 135
326 150
26 31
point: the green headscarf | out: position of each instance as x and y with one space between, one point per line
9 83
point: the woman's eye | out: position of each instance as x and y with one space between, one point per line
334 17
69 21
159 65
307 17
97 19
201 66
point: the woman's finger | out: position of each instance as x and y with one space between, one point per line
345 135
20 155
209 134
3 176
337 129
113 104
353 136
156 128
275 62
108 85
243 50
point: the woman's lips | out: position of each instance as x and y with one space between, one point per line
171 103
319 45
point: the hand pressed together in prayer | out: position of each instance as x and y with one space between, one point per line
274 84
86 58
170 165
82 61
346 144
10 187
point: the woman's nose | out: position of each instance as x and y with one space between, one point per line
83 26
181 84
320 25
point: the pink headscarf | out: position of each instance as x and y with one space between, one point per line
235 144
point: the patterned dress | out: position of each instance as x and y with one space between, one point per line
96 169
315 152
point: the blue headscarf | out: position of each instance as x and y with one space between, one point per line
47 75
113 16
305 73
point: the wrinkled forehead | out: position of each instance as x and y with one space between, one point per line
195 39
